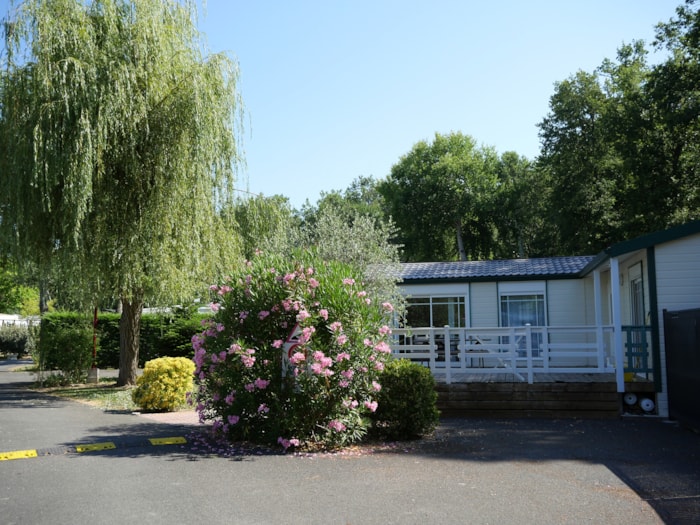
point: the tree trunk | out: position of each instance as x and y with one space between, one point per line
460 241
129 330
43 297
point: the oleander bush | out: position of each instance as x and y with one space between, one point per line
407 403
293 354
164 385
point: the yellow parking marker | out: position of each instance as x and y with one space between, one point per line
167 441
107 445
17 454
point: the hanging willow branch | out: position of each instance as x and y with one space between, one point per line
121 144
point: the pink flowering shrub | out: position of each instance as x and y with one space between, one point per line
293 354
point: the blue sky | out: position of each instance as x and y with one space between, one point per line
335 89
339 89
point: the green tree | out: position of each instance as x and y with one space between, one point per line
362 198
581 161
441 196
124 148
10 299
266 223
521 210
673 153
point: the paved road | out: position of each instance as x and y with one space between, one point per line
632 471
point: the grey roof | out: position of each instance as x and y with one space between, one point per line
506 269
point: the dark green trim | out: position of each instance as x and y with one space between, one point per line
654 312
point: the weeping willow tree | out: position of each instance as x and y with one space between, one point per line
119 147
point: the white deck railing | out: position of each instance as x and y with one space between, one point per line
522 351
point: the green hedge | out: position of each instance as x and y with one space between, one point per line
161 336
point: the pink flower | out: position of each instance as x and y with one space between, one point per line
376 386
232 420
263 314
371 405
350 403
248 360
250 387
361 294
229 399
214 307
367 342
342 339
235 347
302 316
388 307
288 277
323 313
383 348
313 283
348 281
306 334
336 326
379 366
348 374
384 330
264 409
297 358
277 343
261 383
336 425
242 315
343 383
342 356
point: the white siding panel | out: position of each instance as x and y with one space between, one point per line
567 302
678 274
484 305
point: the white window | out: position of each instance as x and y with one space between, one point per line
521 310
521 307
436 312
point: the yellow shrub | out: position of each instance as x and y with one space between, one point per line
164 384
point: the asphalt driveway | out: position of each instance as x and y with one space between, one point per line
627 471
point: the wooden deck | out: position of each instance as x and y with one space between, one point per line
549 396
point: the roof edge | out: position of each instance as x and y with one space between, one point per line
642 242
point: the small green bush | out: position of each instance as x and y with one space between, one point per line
407 403
65 344
164 385
13 339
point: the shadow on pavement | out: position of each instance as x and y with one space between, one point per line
659 460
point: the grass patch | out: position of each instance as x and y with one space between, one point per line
105 395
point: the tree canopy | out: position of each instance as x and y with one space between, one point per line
620 144
119 138
440 195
